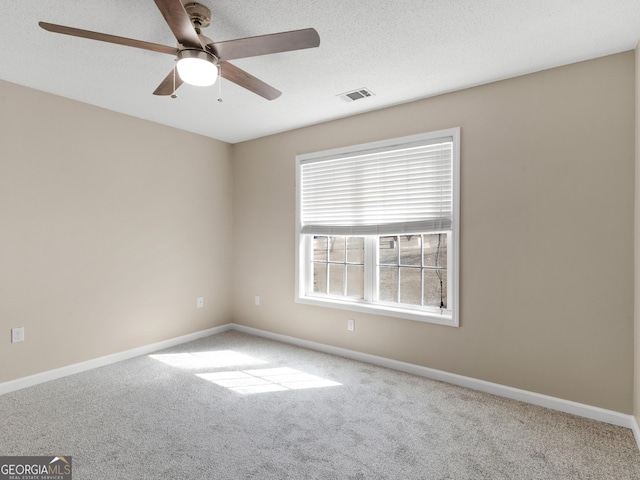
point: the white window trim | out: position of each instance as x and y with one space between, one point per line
303 255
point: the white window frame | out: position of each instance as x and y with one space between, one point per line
304 253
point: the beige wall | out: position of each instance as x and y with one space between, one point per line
110 228
547 181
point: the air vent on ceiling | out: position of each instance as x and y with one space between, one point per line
356 95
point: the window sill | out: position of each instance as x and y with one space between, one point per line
445 318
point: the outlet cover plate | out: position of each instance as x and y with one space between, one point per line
17 335
200 302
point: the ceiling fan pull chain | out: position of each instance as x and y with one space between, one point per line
173 95
219 82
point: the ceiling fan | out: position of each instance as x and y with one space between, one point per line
200 60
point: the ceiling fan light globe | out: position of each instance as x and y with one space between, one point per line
197 68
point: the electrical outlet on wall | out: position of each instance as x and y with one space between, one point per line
200 302
17 334
351 324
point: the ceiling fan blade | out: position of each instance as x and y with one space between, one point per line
170 84
103 37
179 22
248 81
266 44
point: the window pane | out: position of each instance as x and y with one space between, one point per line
336 278
410 250
355 250
388 248
408 272
320 277
336 249
320 249
355 281
435 250
388 284
435 287
410 286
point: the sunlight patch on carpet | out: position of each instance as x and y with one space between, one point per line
267 380
215 359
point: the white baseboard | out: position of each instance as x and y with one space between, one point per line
636 430
567 406
49 375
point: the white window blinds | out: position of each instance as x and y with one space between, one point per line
398 189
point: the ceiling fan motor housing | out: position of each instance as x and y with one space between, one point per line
199 14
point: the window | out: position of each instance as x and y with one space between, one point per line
377 227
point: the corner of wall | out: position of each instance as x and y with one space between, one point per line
636 310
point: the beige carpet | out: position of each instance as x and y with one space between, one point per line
234 406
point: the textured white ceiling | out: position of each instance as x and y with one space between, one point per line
402 50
